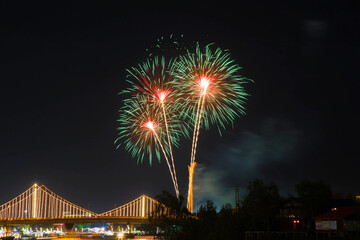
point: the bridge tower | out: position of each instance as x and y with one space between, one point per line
34 201
143 206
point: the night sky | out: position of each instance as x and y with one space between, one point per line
62 65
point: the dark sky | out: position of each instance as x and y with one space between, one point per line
62 65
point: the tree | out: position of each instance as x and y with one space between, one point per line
315 196
261 205
166 198
207 221
207 210
169 215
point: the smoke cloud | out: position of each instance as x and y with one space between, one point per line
244 159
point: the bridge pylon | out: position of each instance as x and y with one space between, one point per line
34 201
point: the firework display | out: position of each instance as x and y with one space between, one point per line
151 92
169 98
211 92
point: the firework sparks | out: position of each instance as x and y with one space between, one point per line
150 125
153 86
143 131
212 93
201 88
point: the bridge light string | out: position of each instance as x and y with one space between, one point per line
56 206
6 208
40 202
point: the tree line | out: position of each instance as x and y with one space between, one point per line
258 211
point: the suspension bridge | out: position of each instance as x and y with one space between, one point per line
39 205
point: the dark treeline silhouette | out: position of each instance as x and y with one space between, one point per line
261 210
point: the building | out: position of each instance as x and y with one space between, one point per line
333 221
292 216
